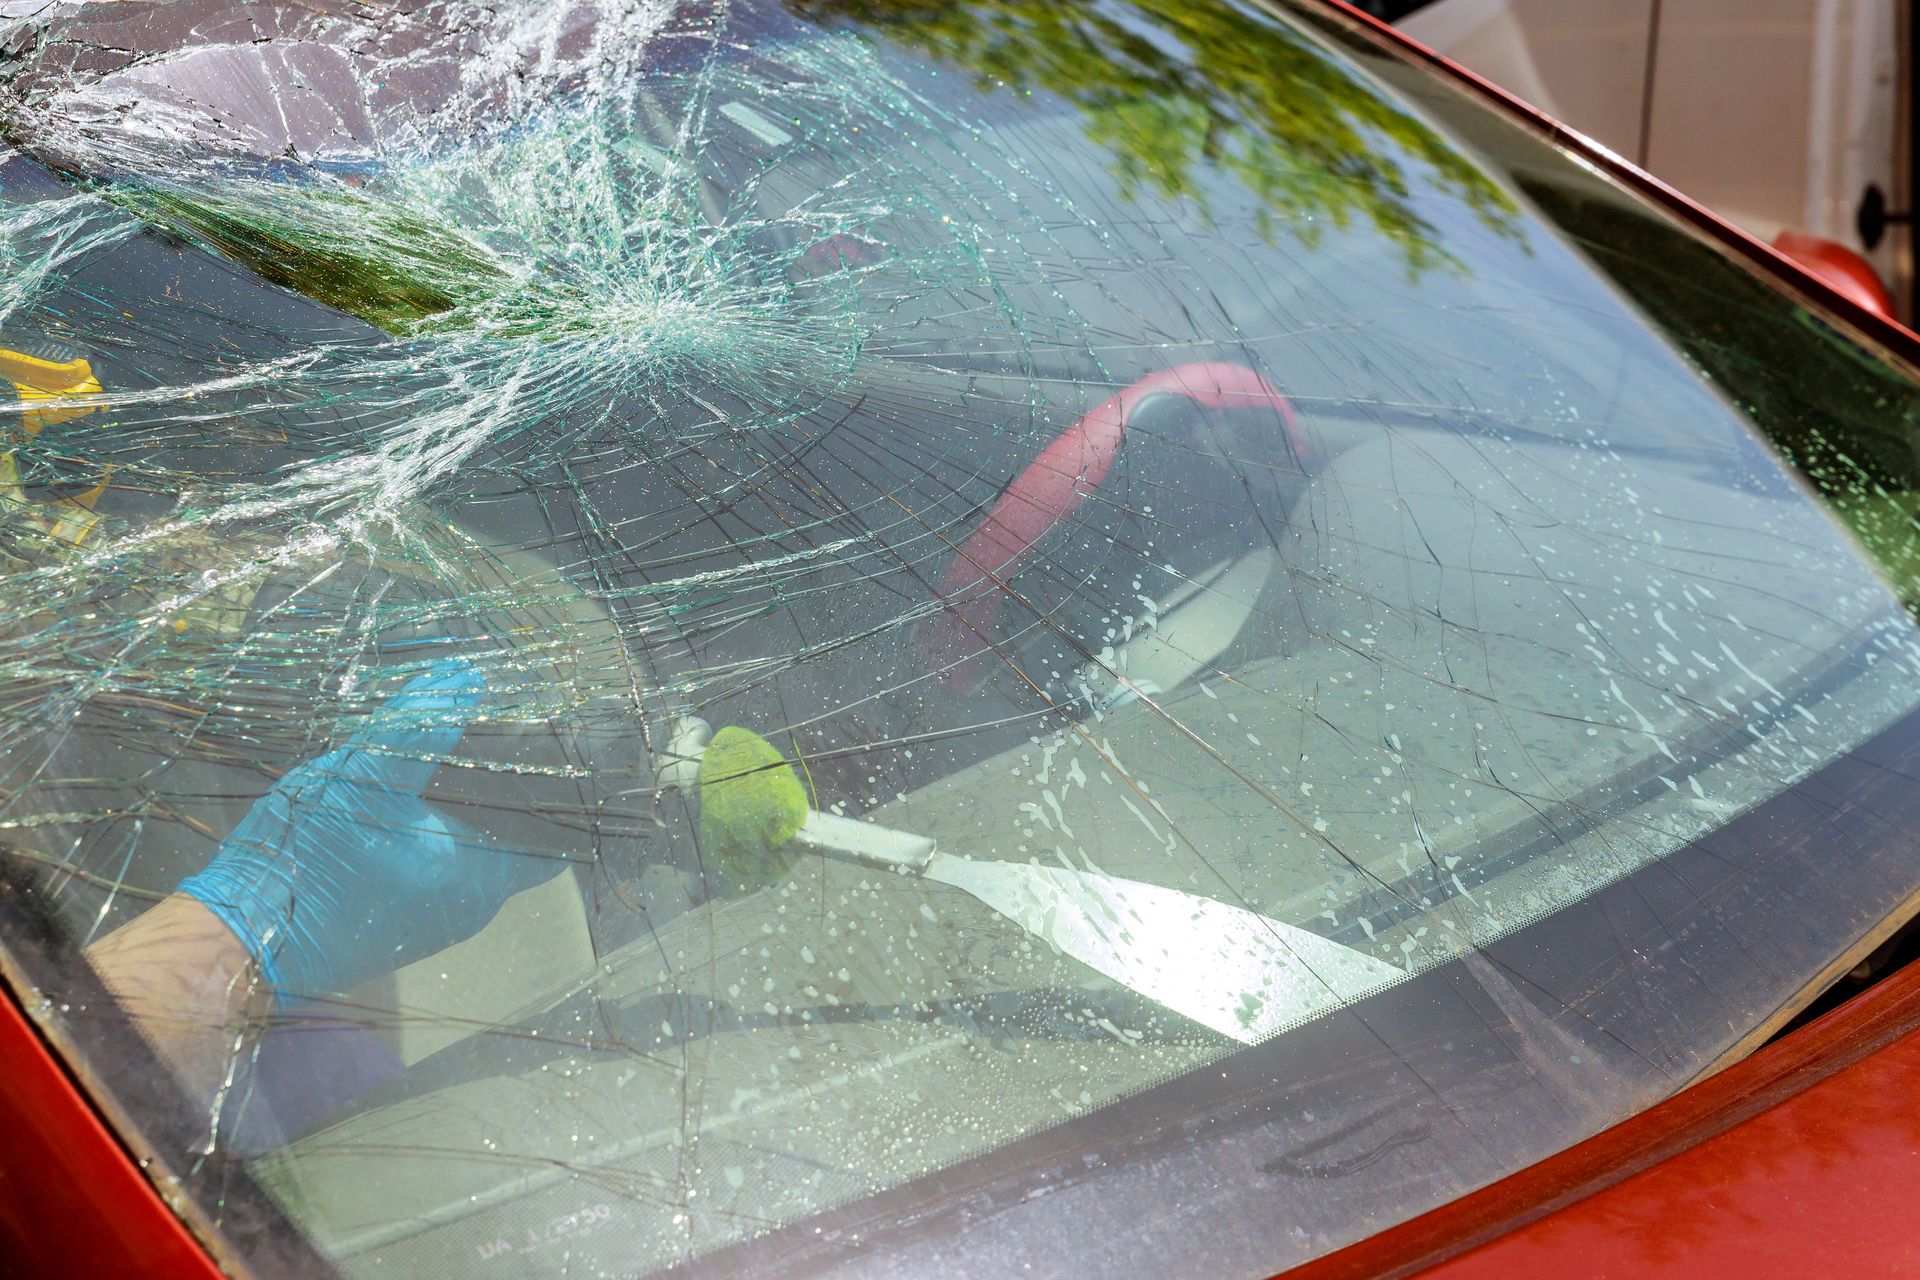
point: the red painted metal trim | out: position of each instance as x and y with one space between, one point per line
72 1200
1783 271
1826 1183
1823 1050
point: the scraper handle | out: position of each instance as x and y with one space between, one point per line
863 842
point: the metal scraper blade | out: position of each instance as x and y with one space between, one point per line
1239 973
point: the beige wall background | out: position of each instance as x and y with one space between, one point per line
1776 114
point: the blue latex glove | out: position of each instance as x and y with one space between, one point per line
342 871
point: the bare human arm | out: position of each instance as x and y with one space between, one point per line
189 984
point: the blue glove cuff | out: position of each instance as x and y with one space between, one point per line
256 906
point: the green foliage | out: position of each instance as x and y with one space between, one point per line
367 257
1169 87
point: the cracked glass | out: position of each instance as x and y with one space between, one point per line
867 635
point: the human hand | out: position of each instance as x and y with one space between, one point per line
343 871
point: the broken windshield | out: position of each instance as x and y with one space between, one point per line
743 632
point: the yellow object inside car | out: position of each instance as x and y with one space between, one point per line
50 392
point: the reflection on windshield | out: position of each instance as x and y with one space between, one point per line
1859 452
638 624
1179 96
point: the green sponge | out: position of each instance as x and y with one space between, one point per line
751 803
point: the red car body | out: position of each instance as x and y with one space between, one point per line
1762 1170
